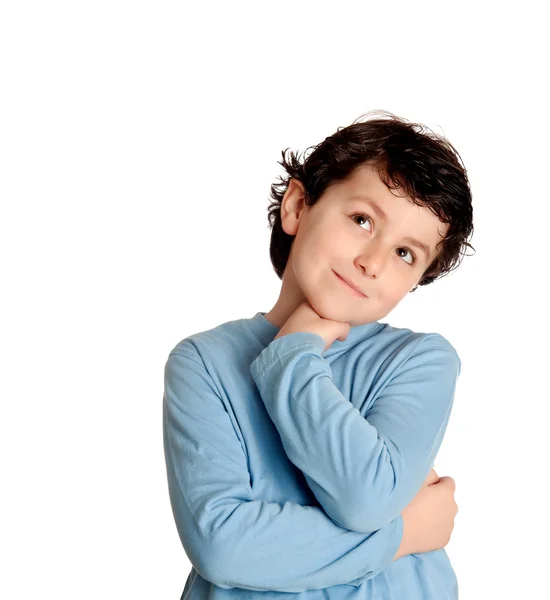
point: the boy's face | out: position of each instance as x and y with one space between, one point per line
340 234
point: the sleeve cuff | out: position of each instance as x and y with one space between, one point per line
284 345
394 541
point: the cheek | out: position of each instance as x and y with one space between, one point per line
314 254
312 272
307 268
388 295
397 296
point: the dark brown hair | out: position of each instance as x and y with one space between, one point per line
409 155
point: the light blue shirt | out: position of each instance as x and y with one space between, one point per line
288 467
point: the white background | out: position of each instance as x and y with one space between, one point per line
138 142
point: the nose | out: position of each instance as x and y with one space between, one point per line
372 260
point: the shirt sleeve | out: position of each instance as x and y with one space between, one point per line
363 470
231 538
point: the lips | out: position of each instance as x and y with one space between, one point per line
358 290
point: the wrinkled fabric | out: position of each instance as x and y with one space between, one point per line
288 466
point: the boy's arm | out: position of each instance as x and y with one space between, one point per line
232 539
363 470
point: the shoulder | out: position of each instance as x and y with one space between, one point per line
419 346
216 346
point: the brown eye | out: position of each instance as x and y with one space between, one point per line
363 216
368 219
410 252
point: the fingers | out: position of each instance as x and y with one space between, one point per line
432 477
448 481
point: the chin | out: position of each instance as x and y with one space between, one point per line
330 306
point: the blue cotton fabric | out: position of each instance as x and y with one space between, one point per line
288 467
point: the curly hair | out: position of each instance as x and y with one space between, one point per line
409 155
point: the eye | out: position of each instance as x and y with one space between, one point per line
370 221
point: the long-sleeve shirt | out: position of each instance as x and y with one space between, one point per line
288 466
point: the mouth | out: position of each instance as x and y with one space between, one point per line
350 286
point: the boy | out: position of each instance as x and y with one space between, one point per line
299 442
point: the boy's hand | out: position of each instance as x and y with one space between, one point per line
305 319
428 520
432 477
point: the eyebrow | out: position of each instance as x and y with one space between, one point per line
382 215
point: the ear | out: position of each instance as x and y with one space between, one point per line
292 206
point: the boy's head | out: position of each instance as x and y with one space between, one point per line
321 227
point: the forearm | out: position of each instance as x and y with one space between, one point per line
363 470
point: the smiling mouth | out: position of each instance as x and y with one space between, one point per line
356 292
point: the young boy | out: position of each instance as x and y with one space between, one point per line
299 442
